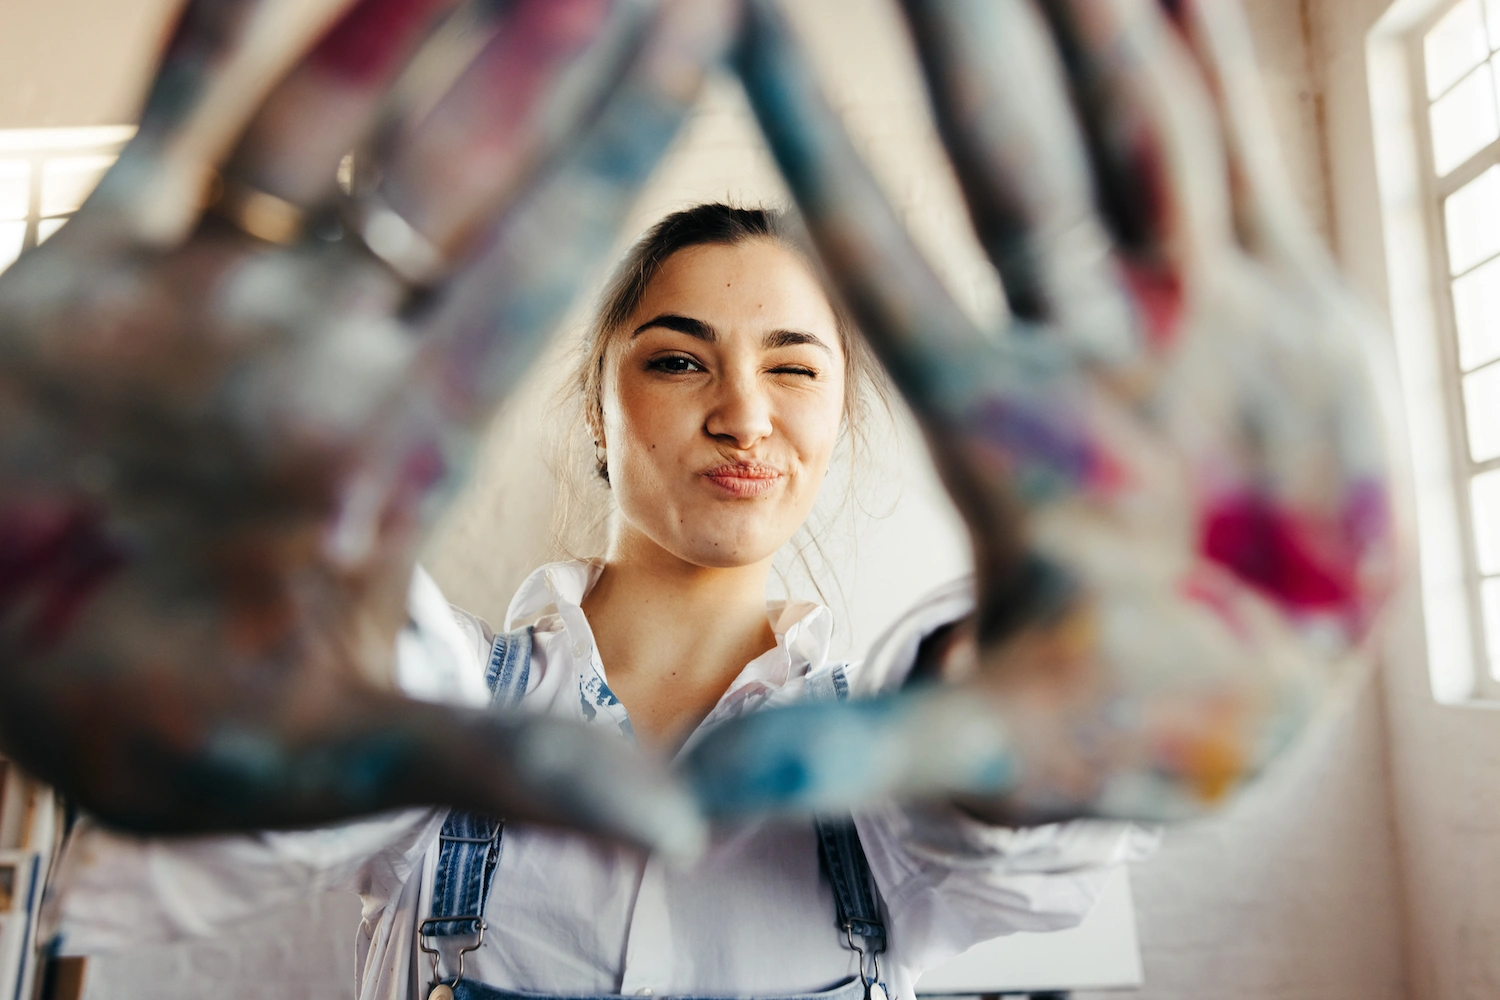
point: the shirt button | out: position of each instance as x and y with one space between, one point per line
580 650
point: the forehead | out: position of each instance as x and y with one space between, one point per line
752 286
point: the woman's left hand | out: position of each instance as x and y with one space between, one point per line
1171 462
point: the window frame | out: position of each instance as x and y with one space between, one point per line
1435 191
39 146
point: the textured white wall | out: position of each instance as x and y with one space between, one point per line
1292 894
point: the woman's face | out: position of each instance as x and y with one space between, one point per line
723 396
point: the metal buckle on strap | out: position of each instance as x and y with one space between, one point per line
872 981
475 918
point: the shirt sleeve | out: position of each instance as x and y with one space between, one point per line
113 890
950 881
442 652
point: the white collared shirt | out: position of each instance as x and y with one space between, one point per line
570 914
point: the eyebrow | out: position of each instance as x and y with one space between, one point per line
706 333
682 324
792 338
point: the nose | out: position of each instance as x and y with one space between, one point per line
741 412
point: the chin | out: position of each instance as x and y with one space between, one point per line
714 554
729 542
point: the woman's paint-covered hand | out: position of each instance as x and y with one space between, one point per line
222 428
1171 459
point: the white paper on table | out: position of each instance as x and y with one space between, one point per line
1101 953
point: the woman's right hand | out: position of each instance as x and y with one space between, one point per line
221 429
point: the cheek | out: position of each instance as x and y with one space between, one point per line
813 426
644 421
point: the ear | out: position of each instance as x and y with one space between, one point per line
593 421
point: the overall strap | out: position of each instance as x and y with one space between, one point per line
848 870
469 845
841 853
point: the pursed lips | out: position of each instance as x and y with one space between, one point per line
744 479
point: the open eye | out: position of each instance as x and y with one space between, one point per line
674 364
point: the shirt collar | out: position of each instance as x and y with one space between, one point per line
803 629
554 587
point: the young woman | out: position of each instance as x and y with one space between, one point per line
715 383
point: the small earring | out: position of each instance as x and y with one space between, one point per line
601 460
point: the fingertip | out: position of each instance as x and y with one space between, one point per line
596 784
828 758
676 829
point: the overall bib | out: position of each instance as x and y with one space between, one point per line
469 851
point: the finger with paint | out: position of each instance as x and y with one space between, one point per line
483 330
1001 104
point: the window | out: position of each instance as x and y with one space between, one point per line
45 174
1458 102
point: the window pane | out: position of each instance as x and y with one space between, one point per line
1473 217
1489 600
47 227
67 180
1455 45
1482 412
1476 311
15 188
67 140
1484 493
12 235
1463 121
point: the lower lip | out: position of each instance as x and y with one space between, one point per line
744 486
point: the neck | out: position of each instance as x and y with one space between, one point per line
673 635
646 574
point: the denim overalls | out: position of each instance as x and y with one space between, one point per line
469 850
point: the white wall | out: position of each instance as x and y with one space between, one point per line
1293 894
77 62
